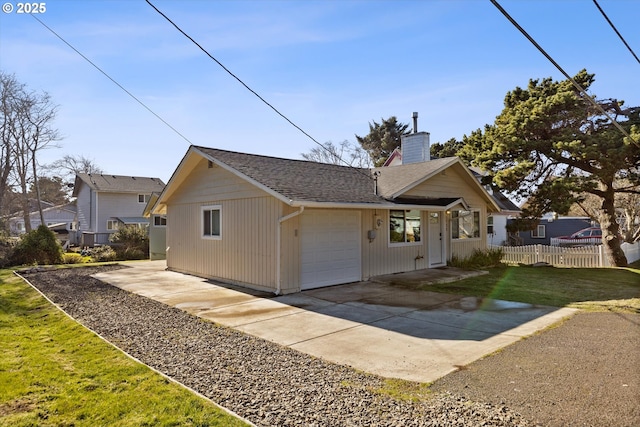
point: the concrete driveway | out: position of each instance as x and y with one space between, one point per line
371 326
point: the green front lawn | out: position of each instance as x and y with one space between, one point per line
54 372
616 289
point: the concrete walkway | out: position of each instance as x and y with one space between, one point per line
371 326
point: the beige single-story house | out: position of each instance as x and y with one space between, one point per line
286 225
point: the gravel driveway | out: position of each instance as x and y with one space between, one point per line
583 373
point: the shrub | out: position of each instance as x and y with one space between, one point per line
103 254
6 248
73 258
130 253
130 241
479 259
38 246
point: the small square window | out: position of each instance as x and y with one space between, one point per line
212 222
539 232
112 224
143 198
160 221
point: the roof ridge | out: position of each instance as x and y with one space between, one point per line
281 158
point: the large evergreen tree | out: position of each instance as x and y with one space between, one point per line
551 145
383 138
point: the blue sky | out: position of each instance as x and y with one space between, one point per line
330 66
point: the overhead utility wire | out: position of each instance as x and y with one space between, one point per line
616 30
593 101
246 86
112 79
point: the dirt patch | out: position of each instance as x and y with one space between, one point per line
16 406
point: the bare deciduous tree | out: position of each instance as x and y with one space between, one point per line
27 129
343 154
70 165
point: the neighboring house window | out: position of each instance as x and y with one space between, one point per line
539 232
404 226
490 225
143 198
20 226
160 221
112 224
465 224
212 222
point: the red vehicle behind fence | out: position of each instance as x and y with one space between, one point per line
584 237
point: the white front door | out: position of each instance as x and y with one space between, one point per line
436 241
330 242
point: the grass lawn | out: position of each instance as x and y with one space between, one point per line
54 372
616 289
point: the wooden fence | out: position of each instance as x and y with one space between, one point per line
579 257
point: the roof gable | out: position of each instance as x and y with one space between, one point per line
393 181
299 180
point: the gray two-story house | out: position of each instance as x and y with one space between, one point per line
106 202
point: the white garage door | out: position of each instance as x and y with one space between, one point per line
330 243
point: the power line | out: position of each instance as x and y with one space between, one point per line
112 79
616 30
247 86
577 86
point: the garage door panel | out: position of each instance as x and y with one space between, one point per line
330 242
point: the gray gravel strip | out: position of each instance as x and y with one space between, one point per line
266 383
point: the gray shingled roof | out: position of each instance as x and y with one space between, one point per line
120 183
305 181
302 180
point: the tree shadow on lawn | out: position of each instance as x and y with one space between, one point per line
616 289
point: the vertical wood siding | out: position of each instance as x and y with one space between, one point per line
462 248
379 258
290 252
247 252
451 183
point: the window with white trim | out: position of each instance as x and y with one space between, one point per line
212 222
160 221
143 198
490 230
404 226
539 232
465 224
112 224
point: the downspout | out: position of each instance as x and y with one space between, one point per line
278 242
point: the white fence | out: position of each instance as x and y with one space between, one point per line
580 257
632 251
